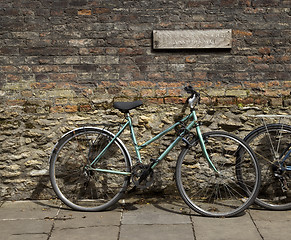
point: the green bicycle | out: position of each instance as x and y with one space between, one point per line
217 173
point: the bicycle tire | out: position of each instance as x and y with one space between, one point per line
269 142
89 190
222 194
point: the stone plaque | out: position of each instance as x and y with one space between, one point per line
185 39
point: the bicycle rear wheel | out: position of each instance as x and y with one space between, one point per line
270 144
225 192
81 187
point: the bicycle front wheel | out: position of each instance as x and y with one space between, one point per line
84 187
226 186
272 145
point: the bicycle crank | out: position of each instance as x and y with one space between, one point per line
142 175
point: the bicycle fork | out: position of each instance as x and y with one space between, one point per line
202 143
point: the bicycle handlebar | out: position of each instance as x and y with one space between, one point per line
194 98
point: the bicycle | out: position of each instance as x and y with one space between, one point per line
216 174
272 146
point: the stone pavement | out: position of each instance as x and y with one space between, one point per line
48 220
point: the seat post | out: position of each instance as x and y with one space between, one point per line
136 147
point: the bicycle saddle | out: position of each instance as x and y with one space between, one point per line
126 106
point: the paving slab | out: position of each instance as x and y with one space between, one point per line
273 230
27 237
271 215
88 233
151 214
25 229
74 219
239 228
28 210
272 225
157 232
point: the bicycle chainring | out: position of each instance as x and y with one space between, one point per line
137 172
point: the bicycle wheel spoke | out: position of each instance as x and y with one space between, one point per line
270 143
226 192
73 181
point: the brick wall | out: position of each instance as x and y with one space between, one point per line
63 62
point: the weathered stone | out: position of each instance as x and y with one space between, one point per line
42 172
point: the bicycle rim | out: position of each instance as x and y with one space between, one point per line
83 189
270 144
227 192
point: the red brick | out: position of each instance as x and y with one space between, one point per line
95 50
245 101
257 59
201 84
227 101
191 59
14 77
161 92
260 101
242 33
57 109
9 69
153 100
129 92
85 108
129 43
200 75
63 76
155 76
38 85
106 84
170 76
87 92
175 100
254 59
265 50
85 12
262 66
102 10
284 59
141 84
254 85
131 51
273 84
45 68
287 84
71 108
9 50
114 90
175 92
178 84
147 92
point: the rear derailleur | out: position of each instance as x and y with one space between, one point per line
281 176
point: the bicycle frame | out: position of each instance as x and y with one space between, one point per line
137 147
